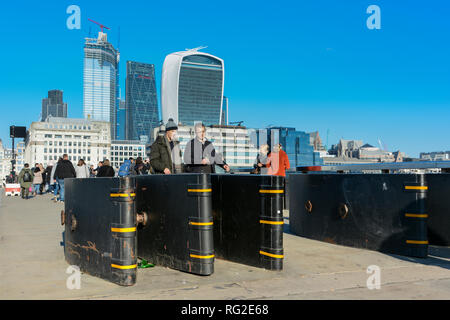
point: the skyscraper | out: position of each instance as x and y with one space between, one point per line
224 116
141 99
53 105
192 88
121 121
100 79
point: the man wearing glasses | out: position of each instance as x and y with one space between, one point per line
200 155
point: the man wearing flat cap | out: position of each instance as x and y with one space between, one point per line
165 154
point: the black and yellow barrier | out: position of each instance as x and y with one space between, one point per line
384 212
100 227
166 220
438 207
179 230
248 219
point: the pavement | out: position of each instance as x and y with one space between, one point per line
32 266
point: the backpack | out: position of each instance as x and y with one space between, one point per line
124 169
27 176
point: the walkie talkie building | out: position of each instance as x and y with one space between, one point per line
192 88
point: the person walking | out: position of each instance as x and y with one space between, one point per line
200 155
54 182
261 160
48 173
63 171
106 170
165 154
81 170
26 176
278 161
37 179
140 167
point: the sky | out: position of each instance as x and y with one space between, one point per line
312 65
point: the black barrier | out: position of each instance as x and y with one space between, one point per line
248 219
100 227
383 212
179 230
438 207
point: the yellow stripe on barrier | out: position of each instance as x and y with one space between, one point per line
133 266
271 191
122 195
199 190
416 215
416 187
123 229
278 256
416 242
201 223
271 222
201 257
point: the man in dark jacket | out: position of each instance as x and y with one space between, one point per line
165 154
105 170
200 155
63 171
26 176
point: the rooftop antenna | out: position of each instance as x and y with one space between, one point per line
118 40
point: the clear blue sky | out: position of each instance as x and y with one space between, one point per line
313 65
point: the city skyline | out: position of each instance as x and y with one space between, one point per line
302 67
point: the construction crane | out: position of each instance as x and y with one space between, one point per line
101 25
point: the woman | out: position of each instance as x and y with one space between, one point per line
106 170
37 180
261 160
81 169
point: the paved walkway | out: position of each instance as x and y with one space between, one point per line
32 266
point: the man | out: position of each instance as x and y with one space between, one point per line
278 161
200 155
26 176
64 170
165 154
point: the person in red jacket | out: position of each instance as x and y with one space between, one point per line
277 162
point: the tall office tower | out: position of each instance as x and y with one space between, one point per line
121 132
142 102
100 79
224 116
53 105
192 88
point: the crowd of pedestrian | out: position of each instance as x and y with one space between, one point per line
200 156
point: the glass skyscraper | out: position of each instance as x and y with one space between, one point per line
141 99
53 106
192 88
296 144
100 81
121 121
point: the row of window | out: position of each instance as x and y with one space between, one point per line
67 126
126 148
59 136
55 150
71 158
67 143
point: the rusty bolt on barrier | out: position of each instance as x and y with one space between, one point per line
141 218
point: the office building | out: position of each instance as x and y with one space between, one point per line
142 103
53 105
121 121
224 116
192 88
435 156
122 150
100 81
79 138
